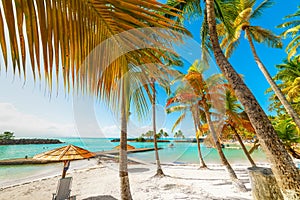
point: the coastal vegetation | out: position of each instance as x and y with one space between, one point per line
30 141
8 138
7 135
65 34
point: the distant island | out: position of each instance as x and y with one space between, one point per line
29 141
7 138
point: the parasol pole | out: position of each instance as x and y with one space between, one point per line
66 167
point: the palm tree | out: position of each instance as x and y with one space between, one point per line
67 31
245 13
184 102
289 74
159 171
180 134
203 90
292 29
164 133
234 120
286 173
289 134
162 77
149 134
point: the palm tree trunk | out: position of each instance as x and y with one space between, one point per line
159 171
238 137
123 170
255 146
272 83
224 160
285 171
202 163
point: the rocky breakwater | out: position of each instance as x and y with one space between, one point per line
29 141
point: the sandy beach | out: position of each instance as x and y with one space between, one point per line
101 181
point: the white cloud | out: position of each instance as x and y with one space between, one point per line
23 124
27 124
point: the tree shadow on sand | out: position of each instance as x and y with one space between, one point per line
200 179
101 197
138 170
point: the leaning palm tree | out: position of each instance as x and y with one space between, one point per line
234 119
65 32
292 29
179 134
163 133
184 101
206 92
245 13
286 173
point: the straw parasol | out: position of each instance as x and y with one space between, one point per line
66 154
129 147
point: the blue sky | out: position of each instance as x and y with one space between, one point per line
27 109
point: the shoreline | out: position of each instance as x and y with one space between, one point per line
183 181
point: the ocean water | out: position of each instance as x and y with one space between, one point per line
179 153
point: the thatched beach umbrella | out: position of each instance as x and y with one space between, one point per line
129 147
66 154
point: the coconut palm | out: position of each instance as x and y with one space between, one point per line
289 75
242 21
293 30
162 77
234 119
179 134
286 173
164 133
184 101
159 171
206 92
66 32
289 134
192 9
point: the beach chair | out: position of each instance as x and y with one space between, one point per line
64 190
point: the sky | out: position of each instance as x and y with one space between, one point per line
27 109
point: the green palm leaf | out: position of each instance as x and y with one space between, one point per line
292 29
258 12
69 30
265 36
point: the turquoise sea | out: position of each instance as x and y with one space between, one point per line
179 153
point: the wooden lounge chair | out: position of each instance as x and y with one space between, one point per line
64 190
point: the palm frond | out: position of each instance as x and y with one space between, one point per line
265 36
293 46
70 30
189 8
289 24
292 29
261 8
178 121
177 108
